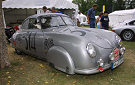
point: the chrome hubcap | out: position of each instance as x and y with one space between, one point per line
127 35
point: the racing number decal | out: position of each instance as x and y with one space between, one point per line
48 43
82 32
30 41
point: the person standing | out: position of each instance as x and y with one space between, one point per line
91 16
78 19
45 10
98 20
104 22
55 11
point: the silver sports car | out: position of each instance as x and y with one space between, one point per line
126 30
68 48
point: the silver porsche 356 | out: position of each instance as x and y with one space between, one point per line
56 39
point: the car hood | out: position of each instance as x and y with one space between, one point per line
98 37
73 34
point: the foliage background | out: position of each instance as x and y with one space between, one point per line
111 5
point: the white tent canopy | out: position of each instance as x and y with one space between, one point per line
60 4
120 16
17 10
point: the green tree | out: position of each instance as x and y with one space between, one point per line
84 5
130 4
111 5
119 5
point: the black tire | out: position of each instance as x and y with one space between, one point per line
18 52
127 35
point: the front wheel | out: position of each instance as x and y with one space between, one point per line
128 35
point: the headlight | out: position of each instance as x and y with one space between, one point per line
91 50
118 40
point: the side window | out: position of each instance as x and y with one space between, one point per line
132 23
68 21
54 22
25 24
34 24
45 22
60 21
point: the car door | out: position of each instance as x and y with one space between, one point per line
47 27
32 37
50 24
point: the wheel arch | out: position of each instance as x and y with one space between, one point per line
61 59
127 29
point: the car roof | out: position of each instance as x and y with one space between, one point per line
47 14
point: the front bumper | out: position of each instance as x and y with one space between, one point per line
94 70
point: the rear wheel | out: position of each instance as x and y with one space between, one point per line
127 35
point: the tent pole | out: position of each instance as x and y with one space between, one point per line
26 13
3 18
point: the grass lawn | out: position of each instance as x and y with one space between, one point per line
26 70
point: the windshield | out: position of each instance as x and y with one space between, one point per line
47 22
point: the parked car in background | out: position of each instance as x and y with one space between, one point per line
9 31
54 37
126 30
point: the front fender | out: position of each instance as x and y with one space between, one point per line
61 59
